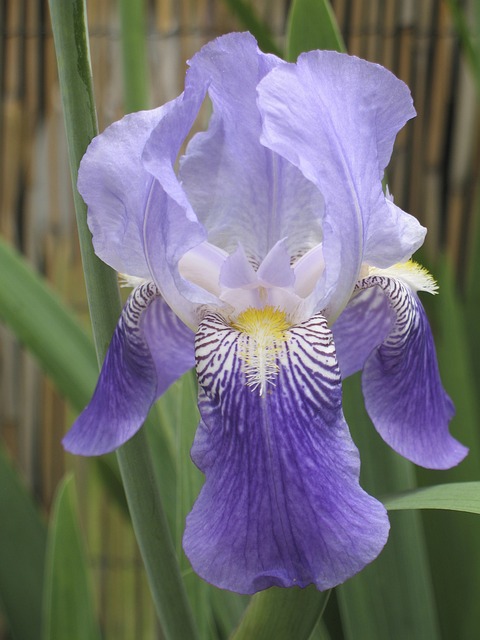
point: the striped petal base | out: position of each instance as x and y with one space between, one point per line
281 504
401 383
150 349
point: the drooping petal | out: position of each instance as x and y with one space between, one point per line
281 504
361 327
115 186
335 117
401 383
241 191
150 349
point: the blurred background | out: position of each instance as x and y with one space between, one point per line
433 175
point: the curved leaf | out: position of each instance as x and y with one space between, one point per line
456 496
312 25
68 603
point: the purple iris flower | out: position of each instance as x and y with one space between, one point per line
271 259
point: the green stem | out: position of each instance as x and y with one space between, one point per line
134 54
73 59
282 614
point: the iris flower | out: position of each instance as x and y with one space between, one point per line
271 259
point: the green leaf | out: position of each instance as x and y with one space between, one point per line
228 608
178 408
247 16
68 604
456 496
69 28
282 614
23 539
69 25
134 52
312 25
467 37
457 571
396 589
44 325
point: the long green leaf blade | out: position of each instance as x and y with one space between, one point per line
312 25
73 61
71 44
134 53
178 407
458 570
23 538
43 324
68 604
456 496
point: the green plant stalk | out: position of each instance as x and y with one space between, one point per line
73 59
282 614
134 55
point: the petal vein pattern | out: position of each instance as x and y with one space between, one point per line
281 504
150 349
401 383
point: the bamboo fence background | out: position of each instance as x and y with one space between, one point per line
432 175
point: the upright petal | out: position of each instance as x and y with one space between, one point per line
403 392
115 186
150 349
171 227
335 117
281 504
241 191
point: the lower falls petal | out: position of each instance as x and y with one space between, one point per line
281 504
150 349
401 384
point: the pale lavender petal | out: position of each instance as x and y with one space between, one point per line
237 272
335 117
363 325
401 382
150 349
115 186
241 191
281 504
275 269
171 225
